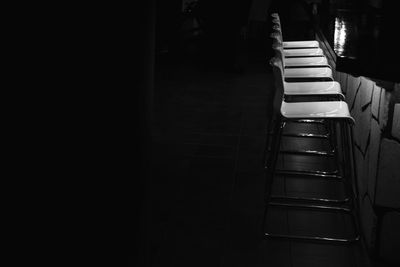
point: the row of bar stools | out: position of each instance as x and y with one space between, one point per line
280 83
326 89
338 120
298 71
300 55
306 89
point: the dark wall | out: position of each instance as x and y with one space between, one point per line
143 107
167 25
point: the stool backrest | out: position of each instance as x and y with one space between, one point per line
277 69
276 38
276 21
275 16
277 27
277 34
279 52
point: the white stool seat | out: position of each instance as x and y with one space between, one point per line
300 44
302 88
300 71
306 61
303 52
316 110
324 72
313 88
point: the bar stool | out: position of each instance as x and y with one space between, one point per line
321 71
292 44
294 49
316 88
300 57
325 90
304 58
335 111
298 71
297 47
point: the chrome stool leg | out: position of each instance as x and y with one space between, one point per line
273 161
315 173
310 199
330 239
323 200
329 153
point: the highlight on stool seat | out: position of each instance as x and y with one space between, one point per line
310 73
306 61
316 110
300 44
303 52
314 88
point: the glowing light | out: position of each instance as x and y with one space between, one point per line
340 36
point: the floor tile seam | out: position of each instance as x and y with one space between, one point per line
213 133
197 156
173 140
208 144
290 242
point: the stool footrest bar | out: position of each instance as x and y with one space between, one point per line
311 199
321 174
314 238
309 206
309 121
309 152
321 136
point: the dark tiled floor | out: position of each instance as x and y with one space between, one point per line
209 181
